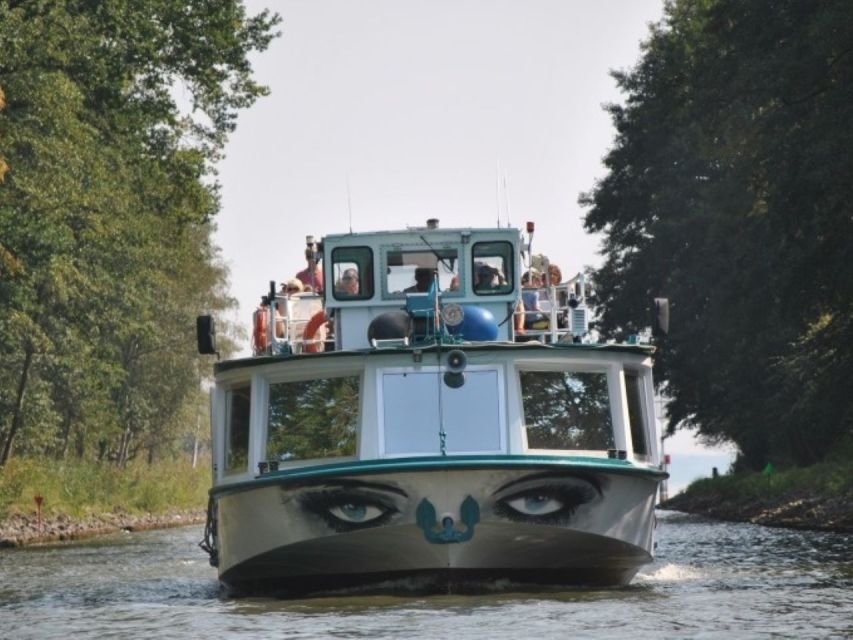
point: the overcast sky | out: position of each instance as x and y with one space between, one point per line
420 106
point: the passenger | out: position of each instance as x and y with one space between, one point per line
312 275
534 318
555 276
454 283
292 287
423 279
488 278
348 285
555 279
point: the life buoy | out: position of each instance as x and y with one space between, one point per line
260 333
314 324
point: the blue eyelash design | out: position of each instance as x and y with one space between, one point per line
321 503
571 498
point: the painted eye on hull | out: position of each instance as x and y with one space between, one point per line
356 512
535 504
550 504
348 510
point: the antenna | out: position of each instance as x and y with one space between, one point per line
349 205
498 190
506 200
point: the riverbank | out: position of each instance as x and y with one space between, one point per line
18 530
85 499
818 498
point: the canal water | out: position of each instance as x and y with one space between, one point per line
710 580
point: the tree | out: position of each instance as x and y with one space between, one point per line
106 203
728 191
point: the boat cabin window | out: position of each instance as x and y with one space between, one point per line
568 410
413 271
352 273
315 418
415 405
492 271
635 391
238 401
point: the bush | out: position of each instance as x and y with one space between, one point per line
79 489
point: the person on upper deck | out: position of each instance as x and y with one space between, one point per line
487 278
292 287
423 279
534 317
348 285
312 275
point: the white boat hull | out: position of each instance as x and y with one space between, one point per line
448 529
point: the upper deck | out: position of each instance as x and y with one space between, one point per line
461 284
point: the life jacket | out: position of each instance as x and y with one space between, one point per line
260 329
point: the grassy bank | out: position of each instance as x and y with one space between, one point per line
81 490
819 497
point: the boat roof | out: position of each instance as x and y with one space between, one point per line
506 347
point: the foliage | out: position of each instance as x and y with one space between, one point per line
79 489
106 204
729 191
833 478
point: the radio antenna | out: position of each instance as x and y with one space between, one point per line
506 200
498 190
349 205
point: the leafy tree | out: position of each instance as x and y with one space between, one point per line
106 203
728 191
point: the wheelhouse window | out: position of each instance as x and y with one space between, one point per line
352 269
566 410
313 418
635 392
416 405
415 271
238 401
491 271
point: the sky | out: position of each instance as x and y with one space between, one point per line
384 113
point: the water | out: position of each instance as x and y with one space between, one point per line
709 580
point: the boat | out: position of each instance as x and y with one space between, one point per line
403 430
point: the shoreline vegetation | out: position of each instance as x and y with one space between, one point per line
84 500
817 498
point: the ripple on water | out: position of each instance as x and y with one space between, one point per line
710 580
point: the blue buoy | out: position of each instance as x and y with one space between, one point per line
478 325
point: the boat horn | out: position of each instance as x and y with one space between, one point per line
455 364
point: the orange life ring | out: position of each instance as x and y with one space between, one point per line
260 334
316 321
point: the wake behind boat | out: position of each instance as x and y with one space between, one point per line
416 420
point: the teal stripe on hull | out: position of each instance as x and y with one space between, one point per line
439 463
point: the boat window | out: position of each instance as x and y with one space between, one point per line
315 418
352 269
238 401
415 405
635 392
413 271
492 268
566 410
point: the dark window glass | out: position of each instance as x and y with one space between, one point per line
237 436
634 389
352 269
491 271
566 410
313 418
